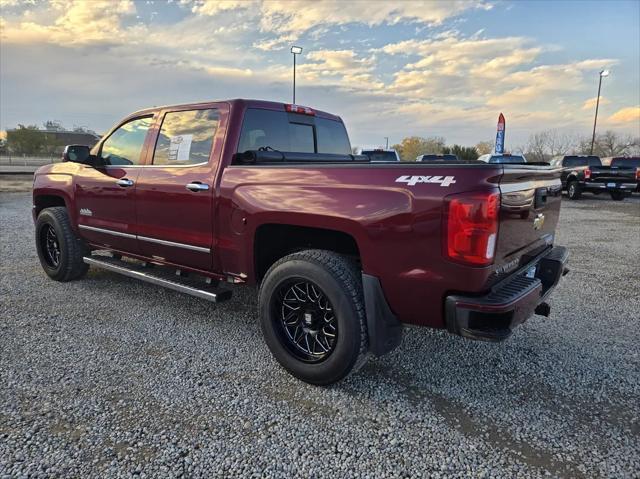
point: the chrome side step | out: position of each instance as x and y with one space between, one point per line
161 278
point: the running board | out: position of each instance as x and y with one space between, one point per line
159 277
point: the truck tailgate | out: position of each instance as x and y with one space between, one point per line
529 211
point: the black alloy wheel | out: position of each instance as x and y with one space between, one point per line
307 320
51 246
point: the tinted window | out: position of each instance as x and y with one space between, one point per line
581 161
439 158
300 138
332 137
507 159
124 146
186 137
292 133
380 155
626 162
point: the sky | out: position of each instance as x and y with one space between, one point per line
389 69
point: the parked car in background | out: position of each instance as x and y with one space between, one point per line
628 162
427 158
344 253
505 158
585 173
379 154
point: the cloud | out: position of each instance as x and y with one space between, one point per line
590 104
78 22
629 114
287 20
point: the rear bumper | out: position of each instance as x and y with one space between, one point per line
605 186
493 317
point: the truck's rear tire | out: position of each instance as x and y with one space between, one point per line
617 195
60 251
573 190
312 315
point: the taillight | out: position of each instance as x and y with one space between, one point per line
587 174
471 227
305 110
638 173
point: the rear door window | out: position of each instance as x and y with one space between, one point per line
186 137
288 132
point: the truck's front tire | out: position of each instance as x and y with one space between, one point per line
60 251
312 315
573 190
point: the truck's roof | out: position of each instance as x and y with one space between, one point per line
239 103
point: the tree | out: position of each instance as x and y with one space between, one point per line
25 140
466 153
413 146
485 147
609 144
544 145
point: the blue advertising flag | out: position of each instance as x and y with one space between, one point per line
500 135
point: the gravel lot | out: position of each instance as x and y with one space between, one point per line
115 378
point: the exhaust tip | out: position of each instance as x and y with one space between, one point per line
543 309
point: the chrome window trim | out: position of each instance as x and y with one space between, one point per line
153 166
177 245
109 232
146 238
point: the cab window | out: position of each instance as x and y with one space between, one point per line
186 137
124 145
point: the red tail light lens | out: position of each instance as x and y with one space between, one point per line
587 174
638 173
471 227
305 110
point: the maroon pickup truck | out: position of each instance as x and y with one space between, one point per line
345 251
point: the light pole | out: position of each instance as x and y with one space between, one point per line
603 73
296 51
387 139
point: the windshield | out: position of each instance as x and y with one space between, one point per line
377 155
507 159
291 132
626 162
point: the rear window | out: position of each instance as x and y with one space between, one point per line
507 159
439 158
581 161
290 132
627 162
376 155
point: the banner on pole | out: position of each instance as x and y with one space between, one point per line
500 135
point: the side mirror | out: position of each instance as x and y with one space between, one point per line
77 154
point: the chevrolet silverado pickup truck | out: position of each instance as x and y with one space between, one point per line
586 173
345 250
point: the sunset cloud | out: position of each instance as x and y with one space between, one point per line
629 114
391 68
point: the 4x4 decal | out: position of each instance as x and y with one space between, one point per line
414 180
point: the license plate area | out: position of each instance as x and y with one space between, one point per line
612 185
531 272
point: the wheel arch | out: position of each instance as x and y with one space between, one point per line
273 241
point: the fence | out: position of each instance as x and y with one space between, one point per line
23 160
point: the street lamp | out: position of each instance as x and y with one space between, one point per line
296 51
387 139
603 73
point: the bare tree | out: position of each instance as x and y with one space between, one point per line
544 145
485 147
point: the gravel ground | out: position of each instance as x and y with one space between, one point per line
115 378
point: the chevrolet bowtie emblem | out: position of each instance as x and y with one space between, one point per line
538 222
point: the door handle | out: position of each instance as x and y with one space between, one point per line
124 182
197 186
